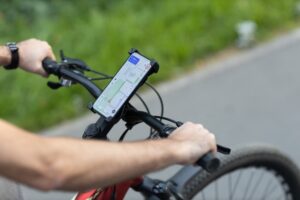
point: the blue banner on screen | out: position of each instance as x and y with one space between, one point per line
134 60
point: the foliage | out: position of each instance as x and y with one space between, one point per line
175 33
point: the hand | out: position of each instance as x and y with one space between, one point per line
193 142
31 53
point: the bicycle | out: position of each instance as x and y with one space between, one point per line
255 172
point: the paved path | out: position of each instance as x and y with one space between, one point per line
251 97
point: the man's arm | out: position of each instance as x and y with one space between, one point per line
72 164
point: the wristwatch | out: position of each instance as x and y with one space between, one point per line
14 50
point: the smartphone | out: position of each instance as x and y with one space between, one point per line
124 84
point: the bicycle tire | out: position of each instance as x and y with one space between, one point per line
257 156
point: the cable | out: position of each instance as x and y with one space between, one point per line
143 102
178 123
166 118
161 104
100 73
159 97
123 135
146 107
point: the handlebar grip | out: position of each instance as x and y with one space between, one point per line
49 66
209 162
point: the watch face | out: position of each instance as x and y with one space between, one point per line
12 46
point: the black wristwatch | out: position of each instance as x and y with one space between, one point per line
14 50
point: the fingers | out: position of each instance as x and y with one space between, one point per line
195 141
213 143
50 53
209 137
200 126
40 70
32 52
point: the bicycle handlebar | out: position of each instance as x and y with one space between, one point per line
51 67
209 162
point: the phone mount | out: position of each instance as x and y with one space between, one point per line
153 68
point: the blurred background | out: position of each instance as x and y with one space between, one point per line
176 33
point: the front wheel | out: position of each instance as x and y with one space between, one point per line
255 172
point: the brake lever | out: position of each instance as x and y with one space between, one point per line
53 85
62 83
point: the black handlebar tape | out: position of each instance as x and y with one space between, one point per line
209 162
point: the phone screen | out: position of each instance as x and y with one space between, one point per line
122 85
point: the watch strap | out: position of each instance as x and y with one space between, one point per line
14 50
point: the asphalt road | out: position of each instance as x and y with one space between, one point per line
250 97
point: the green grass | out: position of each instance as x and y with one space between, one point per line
176 33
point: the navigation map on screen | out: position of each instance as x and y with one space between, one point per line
122 85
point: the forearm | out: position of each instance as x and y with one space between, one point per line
5 56
70 164
96 164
